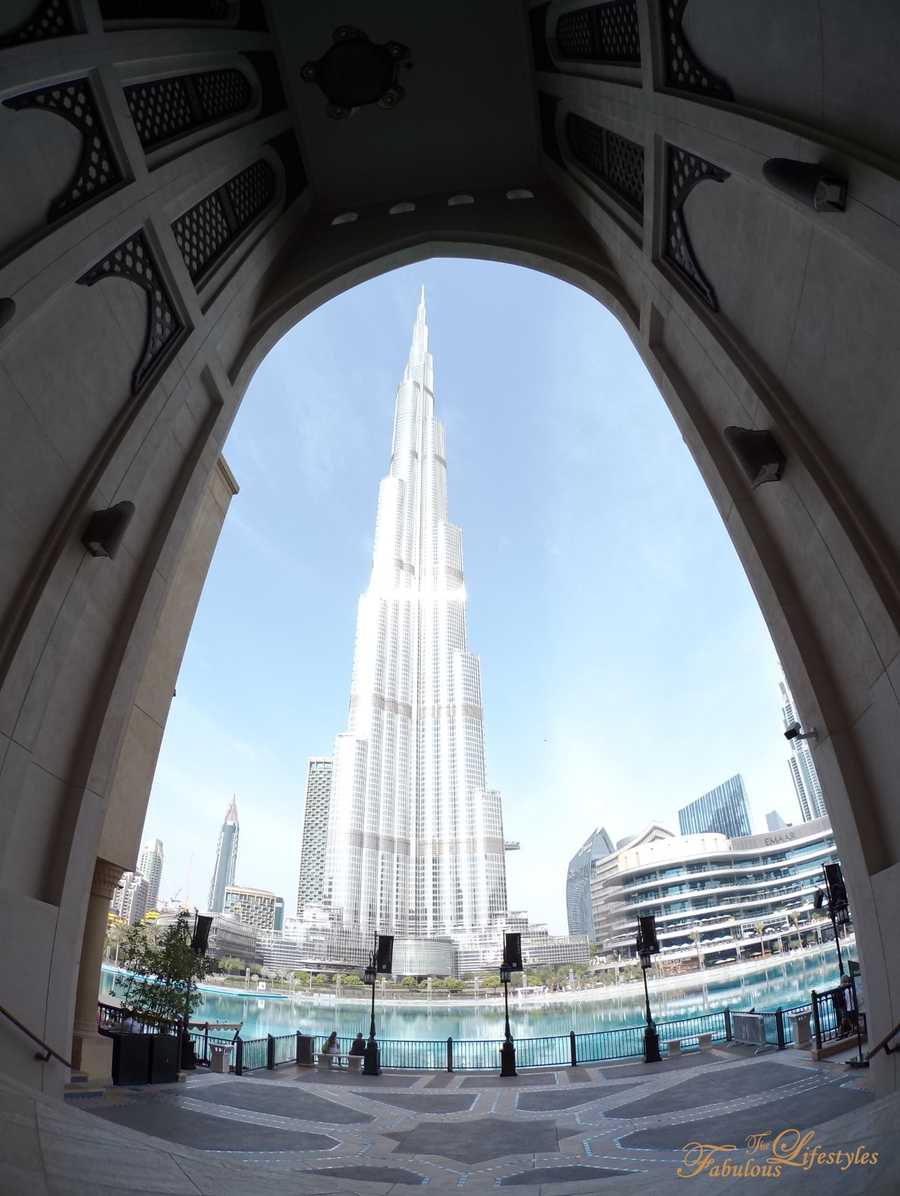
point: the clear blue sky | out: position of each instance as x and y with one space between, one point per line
626 668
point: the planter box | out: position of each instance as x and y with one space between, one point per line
163 1059
131 1058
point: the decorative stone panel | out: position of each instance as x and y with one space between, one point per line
134 260
683 172
207 231
612 160
164 109
684 70
601 33
98 171
51 18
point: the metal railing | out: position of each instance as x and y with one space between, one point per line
558 1050
46 1052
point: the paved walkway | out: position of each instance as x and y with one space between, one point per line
587 1130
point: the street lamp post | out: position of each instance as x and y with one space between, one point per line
647 948
371 1061
508 1050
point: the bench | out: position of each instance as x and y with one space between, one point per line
353 1063
673 1046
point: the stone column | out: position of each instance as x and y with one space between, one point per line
91 1052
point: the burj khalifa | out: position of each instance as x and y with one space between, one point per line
415 837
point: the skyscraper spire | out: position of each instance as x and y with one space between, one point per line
226 858
415 838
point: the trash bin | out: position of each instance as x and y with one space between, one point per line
800 1028
219 1056
305 1043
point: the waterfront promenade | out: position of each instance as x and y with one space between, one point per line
607 1128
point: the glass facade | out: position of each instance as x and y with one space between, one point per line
226 860
578 881
722 811
716 896
415 836
801 766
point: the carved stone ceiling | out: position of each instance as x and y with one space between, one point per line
468 119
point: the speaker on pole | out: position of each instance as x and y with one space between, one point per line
647 934
384 959
837 890
512 952
200 940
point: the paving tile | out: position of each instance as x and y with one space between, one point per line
679 1063
802 1111
715 1087
527 1079
477 1140
284 1101
549 1175
133 1170
374 1174
16 1179
562 1098
167 1120
425 1102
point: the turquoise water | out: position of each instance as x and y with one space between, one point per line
785 984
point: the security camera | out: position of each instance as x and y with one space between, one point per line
794 731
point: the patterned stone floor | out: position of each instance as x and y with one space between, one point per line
590 1130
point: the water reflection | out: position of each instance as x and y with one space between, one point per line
779 983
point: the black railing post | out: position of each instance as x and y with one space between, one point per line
728 1025
817 1026
779 1028
297 1057
572 1049
450 1054
270 1053
239 1057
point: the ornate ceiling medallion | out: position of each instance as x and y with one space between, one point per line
356 71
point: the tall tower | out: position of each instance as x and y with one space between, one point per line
150 865
315 832
415 838
803 769
226 859
723 810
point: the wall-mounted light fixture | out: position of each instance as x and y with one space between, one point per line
758 452
105 529
809 182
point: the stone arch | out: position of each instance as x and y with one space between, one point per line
800 344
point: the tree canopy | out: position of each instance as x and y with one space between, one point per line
163 972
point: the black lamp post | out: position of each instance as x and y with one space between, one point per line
645 949
371 1060
508 1050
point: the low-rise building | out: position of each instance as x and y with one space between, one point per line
713 898
255 907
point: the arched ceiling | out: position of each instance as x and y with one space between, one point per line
469 118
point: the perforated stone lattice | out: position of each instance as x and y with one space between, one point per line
51 18
612 160
683 172
684 70
601 33
206 231
250 191
163 109
222 93
97 171
202 233
160 109
134 260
